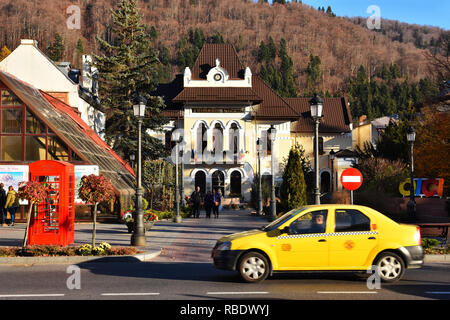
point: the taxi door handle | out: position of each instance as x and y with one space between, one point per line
322 240
372 238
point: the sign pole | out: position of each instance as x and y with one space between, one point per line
351 179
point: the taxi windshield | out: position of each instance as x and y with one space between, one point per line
278 222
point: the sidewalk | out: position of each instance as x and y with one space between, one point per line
192 240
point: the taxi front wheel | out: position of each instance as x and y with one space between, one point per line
390 267
253 267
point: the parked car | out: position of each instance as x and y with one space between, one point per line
323 238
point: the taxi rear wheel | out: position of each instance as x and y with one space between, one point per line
390 267
254 267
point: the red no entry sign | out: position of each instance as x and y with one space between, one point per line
351 179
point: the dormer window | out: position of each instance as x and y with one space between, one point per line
217 74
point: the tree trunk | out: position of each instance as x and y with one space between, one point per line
95 225
25 239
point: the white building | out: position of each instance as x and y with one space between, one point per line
28 63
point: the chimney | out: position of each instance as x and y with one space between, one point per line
29 42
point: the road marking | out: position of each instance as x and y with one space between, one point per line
132 294
236 293
438 292
347 292
31 295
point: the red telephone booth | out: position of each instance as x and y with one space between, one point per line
52 221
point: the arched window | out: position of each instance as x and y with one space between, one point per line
234 139
218 181
200 181
217 139
235 183
325 182
202 141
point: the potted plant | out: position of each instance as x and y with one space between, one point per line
94 190
35 193
149 219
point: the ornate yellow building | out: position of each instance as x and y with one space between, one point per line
221 109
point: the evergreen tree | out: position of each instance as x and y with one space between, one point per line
55 50
127 68
314 73
293 188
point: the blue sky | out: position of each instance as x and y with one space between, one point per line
422 12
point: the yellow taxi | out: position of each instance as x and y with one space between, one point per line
323 238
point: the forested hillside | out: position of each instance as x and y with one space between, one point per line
322 52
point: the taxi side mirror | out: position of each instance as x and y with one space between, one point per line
285 230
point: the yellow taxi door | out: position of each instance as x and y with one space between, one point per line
303 247
353 238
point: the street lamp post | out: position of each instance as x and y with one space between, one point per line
273 203
177 216
260 204
411 206
316 104
332 155
138 236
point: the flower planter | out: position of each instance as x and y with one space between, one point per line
148 225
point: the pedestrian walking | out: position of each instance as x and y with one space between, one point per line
2 205
196 199
217 200
209 203
12 204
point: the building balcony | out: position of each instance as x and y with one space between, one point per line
211 157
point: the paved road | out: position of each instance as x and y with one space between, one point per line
184 272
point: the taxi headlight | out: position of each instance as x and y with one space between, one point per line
224 246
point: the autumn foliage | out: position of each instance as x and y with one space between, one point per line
33 191
95 189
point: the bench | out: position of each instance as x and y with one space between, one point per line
443 226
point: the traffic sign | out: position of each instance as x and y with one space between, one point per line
351 179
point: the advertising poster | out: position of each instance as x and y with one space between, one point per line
81 171
13 175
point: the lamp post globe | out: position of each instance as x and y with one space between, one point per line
316 104
138 236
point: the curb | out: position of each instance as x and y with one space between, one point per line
443 258
140 257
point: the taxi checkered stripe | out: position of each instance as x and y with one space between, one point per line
312 235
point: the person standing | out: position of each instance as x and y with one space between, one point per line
196 199
12 203
209 203
216 203
2 205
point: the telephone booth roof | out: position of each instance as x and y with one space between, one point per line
65 122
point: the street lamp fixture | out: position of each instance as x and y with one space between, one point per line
177 138
138 236
411 206
316 104
273 203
